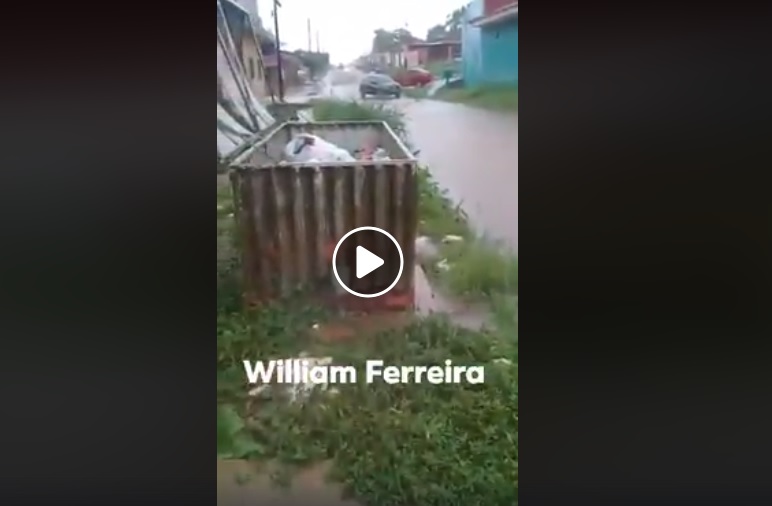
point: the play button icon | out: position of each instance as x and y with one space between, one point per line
367 262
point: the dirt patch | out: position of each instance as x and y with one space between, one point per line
242 483
353 326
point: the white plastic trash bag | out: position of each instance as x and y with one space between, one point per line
307 148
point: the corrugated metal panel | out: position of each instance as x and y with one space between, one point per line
240 115
292 216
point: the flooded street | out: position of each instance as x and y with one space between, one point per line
471 152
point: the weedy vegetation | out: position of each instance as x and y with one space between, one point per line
478 268
341 110
497 98
417 92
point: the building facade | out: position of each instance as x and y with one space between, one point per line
292 71
418 54
489 37
242 30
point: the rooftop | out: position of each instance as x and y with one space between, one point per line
270 60
503 13
435 43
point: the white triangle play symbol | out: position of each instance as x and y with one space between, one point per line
366 262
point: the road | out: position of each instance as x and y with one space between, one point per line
471 152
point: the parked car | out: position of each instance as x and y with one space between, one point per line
413 77
379 84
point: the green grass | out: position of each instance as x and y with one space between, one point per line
341 110
480 269
389 445
437 215
438 68
501 98
415 92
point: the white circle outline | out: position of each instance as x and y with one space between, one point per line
335 267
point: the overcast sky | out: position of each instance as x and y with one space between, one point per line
346 26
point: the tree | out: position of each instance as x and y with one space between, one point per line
386 41
316 63
450 29
403 36
437 32
453 23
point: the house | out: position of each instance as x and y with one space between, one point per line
385 59
239 113
242 31
251 7
418 54
293 70
489 43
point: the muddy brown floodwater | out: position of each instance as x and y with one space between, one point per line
473 154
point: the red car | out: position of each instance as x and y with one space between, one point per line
413 77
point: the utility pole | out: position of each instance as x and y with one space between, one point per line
308 27
276 5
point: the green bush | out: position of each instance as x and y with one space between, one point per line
480 268
340 110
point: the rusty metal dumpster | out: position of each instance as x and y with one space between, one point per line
291 216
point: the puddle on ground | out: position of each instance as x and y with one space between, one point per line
242 483
427 301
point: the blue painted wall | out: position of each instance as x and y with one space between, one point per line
489 54
499 52
471 46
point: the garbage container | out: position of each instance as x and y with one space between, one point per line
291 216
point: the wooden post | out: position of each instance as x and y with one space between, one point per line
276 5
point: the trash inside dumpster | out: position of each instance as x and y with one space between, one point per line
307 148
292 210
